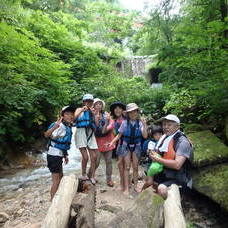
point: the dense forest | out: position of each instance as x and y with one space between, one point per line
53 51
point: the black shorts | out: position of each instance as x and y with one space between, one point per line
55 163
162 179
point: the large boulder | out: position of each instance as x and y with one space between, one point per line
147 211
212 182
209 149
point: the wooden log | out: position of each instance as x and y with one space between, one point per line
59 211
83 206
173 213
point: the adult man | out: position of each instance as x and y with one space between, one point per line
177 170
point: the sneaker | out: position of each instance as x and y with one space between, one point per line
93 181
83 177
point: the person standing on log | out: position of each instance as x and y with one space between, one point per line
84 136
60 134
131 132
104 135
177 170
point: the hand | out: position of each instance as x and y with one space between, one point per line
154 156
143 119
59 121
84 108
107 116
66 160
111 144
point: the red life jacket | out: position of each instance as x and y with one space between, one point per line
171 153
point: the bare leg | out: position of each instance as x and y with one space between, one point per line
93 158
121 171
108 161
162 191
127 161
149 181
56 178
98 159
135 164
84 153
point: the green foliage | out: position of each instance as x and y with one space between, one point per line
192 51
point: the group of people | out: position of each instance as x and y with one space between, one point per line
163 150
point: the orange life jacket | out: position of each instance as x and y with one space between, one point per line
171 153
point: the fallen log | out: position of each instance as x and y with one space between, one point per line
173 214
59 211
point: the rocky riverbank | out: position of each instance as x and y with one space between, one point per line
27 205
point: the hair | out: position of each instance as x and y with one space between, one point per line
113 112
153 129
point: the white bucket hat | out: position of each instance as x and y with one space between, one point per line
88 97
171 117
131 107
99 100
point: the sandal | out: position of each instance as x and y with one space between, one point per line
84 178
110 183
93 181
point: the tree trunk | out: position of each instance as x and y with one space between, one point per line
59 211
173 213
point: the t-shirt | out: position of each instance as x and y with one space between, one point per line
184 148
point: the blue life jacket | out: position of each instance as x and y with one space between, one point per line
64 142
116 127
85 120
132 135
98 129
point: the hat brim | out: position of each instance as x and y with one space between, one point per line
163 118
132 109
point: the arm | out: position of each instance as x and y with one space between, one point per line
109 124
49 132
172 164
79 111
144 128
115 139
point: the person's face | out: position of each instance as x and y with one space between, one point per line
133 115
157 136
98 106
118 111
169 127
88 103
68 117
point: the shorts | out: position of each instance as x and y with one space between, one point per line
162 179
55 163
84 137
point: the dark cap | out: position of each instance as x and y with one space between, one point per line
117 104
67 109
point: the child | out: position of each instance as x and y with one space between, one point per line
60 134
117 112
103 137
152 168
131 132
84 136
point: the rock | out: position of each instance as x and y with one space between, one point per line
212 182
103 190
104 201
110 208
208 149
20 211
3 217
146 211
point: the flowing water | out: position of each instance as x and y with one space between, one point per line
22 177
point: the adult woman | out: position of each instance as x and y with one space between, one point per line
103 136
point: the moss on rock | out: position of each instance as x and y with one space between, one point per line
209 149
193 127
146 211
212 182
